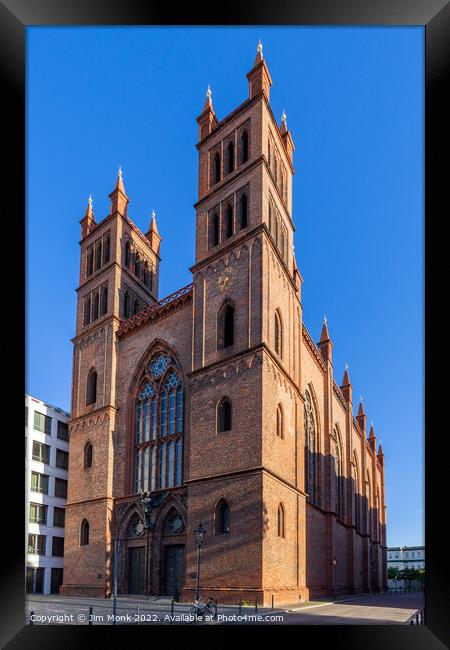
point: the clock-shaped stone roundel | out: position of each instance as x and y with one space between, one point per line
175 524
136 527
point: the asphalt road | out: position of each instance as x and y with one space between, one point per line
382 609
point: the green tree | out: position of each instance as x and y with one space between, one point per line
393 572
409 574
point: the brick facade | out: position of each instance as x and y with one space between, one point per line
285 534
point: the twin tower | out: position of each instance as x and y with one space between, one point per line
215 399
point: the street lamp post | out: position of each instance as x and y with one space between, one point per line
333 564
199 537
146 499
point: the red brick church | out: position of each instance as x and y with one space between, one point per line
216 399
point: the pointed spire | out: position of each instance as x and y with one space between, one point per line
259 77
208 100
361 416
119 198
346 386
372 439
259 53
153 235
361 407
119 182
153 225
207 120
89 211
380 450
324 336
286 137
346 378
325 345
88 222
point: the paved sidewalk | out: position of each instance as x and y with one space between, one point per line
376 609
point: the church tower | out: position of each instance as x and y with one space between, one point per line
119 268
246 414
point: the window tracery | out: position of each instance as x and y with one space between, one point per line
310 450
158 462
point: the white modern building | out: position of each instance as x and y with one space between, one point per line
46 464
406 557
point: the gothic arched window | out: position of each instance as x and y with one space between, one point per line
126 305
136 307
280 423
356 498
337 474
310 451
137 265
95 305
281 521
217 167
91 387
90 262
84 533
378 514
282 242
229 221
87 456
243 215
222 518
230 157
87 310
278 335
225 326
104 301
158 452
214 229
224 415
368 504
106 249
128 254
146 275
98 254
244 146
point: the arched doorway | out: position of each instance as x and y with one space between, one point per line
137 550
172 554
152 562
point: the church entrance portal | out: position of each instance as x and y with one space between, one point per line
173 578
136 569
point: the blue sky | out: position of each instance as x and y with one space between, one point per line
98 98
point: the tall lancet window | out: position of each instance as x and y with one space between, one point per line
368 506
338 500
216 168
356 497
159 426
244 146
230 157
311 462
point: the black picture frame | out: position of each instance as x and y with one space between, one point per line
434 15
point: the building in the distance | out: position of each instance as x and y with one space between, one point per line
216 398
46 464
406 557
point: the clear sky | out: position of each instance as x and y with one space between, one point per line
98 98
